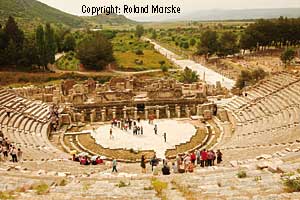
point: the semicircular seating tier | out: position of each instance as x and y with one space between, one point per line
26 123
268 116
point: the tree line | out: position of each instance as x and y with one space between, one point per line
18 49
258 36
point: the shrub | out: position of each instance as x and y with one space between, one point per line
164 68
41 188
139 52
6 195
242 174
63 182
162 62
122 184
257 178
159 186
148 188
292 183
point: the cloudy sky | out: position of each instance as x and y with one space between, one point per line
187 6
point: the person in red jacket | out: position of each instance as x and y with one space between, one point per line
193 158
203 158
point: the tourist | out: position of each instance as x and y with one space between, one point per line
142 132
193 158
13 153
198 157
203 158
155 129
1 153
165 169
8 112
153 162
5 150
214 157
129 124
143 164
174 168
20 154
134 130
190 167
114 165
110 134
219 156
99 160
138 130
210 158
165 136
1 139
186 162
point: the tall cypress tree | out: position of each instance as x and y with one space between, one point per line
50 44
41 47
13 32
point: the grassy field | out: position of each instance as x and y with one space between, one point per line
133 54
68 62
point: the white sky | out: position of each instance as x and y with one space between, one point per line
187 6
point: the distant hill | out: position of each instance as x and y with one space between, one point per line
109 19
31 12
224 14
240 14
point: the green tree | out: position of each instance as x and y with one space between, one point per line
162 62
69 43
139 31
188 76
95 52
164 68
12 53
228 44
287 56
154 34
192 42
13 32
50 45
29 53
41 46
244 79
247 78
209 43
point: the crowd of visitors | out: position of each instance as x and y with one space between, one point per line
84 159
186 163
134 125
127 124
8 149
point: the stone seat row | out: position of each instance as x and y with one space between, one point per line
264 89
10 101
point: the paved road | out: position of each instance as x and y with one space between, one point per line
210 76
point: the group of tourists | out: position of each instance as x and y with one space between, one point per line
86 160
185 163
130 124
8 149
126 125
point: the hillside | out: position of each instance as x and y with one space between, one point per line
226 14
108 19
29 13
241 14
